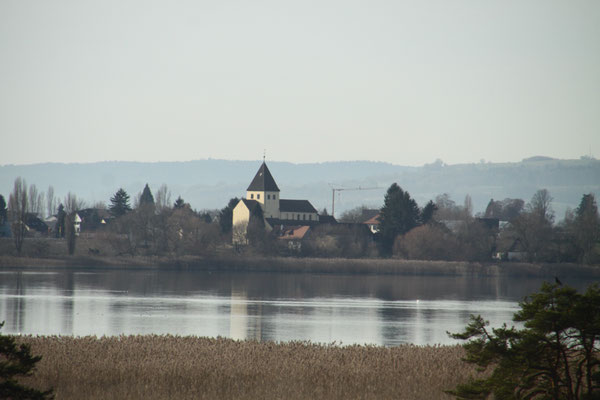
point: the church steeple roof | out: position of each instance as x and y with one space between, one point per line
263 181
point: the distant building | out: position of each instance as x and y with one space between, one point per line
263 193
93 219
34 226
373 223
293 235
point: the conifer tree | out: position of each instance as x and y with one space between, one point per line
398 215
119 203
555 356
17 361
428 211
60 221
3 210
146 197
179 203
226 215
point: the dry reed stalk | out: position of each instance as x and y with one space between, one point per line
164 367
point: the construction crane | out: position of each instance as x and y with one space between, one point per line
333 190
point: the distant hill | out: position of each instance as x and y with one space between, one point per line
209 184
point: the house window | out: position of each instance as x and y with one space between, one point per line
274 197
310 217
304 217
251 195
298 217
268 197
258 196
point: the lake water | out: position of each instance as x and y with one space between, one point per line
346 309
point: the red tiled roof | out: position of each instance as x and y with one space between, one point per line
294 232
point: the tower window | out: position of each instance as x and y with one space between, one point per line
274 197
251 195
268 197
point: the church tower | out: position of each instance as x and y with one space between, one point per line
264 190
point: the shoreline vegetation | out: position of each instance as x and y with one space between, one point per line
160 367
311 265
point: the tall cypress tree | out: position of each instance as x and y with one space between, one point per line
119 203
3 210
146 197
60 221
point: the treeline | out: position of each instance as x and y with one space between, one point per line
151 224
443 230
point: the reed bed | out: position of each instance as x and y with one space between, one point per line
173 367
375 266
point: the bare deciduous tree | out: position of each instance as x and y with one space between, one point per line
468 206
163 198
541 205
17 208
534 226
73 204
50 201
99 205
36 201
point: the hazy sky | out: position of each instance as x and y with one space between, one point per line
399 81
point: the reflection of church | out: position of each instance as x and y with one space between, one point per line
277 213
246 318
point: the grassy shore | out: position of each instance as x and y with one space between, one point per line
240 263
170 367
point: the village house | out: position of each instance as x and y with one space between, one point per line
284 215
371 219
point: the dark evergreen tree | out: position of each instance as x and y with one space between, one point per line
256 227
205 217
59 230
226 215
146 197
428 211
17 361
400 213
179 203
119 203
555 356
493 209
3 210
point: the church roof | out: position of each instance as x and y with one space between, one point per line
296 206
250 204
263 181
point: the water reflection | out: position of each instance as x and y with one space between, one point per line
384 310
